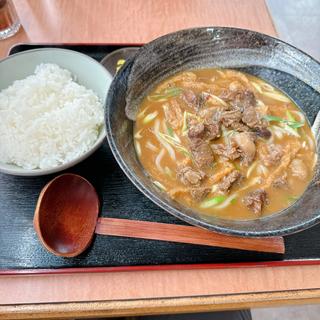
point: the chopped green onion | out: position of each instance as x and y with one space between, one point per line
214 188
273 118
276 96
184 152
295 124
291 131
168 138
159 185
251 169
151 146
142 113
167 93
292 198
138 149
185 120
233 201
291 123
167 171
172 134
267 86
175 143
151 116
138 134
227 202
213 165
184 127
236 165
212 202
162 141
170 131
290 116
256 86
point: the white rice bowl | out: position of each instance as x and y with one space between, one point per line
47 119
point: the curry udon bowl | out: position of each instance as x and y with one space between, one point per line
284 66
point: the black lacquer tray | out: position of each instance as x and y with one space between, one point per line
20 251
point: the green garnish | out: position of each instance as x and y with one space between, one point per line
168 172
292 198
184 127
151 116
212 202
185 152
290 116
233 201
167 93
291 123
160 185
174 143
170 131
236 165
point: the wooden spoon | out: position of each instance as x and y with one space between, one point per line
66 219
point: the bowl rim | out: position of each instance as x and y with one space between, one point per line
19 171
163 204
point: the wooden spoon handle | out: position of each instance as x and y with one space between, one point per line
185 234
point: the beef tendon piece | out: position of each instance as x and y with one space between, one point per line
256 200
212 125
272 155
228 181
204 131
173 114
281 182
243 100
201 100
212 130
226 152
198 194
298 169
251 117
232 119
196 130
189 176
289 153
246 146
239 99
190 98
201 153
209 115
227 118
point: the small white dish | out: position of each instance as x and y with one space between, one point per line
87 71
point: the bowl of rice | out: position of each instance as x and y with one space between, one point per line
51 110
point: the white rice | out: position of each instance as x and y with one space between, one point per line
47 119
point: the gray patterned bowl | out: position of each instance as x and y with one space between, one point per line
286 67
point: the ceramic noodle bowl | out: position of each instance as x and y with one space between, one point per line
284 66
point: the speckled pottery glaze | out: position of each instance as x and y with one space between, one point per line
284 66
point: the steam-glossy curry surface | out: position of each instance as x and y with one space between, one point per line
225 143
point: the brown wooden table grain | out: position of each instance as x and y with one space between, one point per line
144 292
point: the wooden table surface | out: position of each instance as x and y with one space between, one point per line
144 292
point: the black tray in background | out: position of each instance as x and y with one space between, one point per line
20 249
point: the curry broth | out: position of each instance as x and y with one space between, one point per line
163 147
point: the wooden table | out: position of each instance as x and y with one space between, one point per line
145 292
